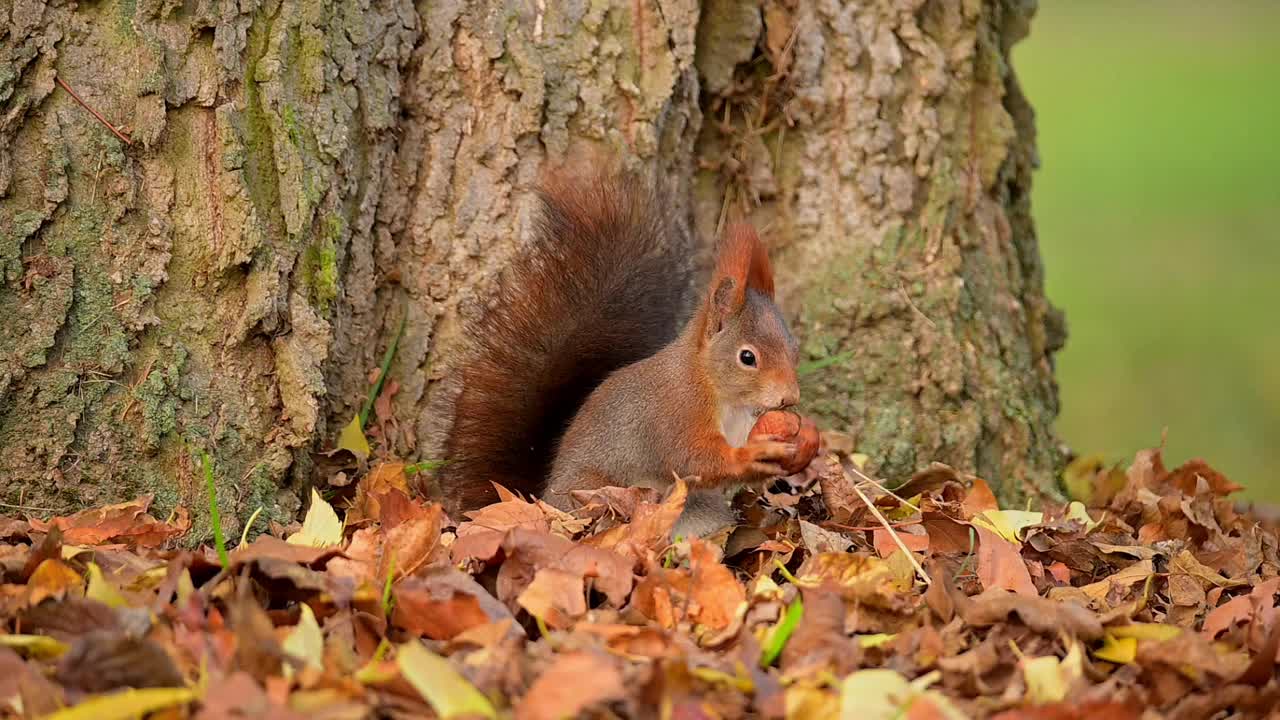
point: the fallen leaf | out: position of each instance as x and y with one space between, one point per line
126 704
885 695
104 660
1120 650
718 596
444 603
273 547
808 701
35 646
817 539
305 642
1048 679
1000 564
1185 562
102 590
125 523
1145 631
435 679
1008 523
23 684
946 536
574 682
556 596
979 500
858 578
1095 710
321 527
1040 614
237 696
1240 608
53 579
352 440
886 546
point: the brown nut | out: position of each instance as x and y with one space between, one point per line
794 428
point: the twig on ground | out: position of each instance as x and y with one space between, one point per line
893 534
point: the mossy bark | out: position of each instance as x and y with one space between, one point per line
302 174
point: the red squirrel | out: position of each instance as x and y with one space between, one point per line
580 373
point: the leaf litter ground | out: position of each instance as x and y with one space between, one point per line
1154 597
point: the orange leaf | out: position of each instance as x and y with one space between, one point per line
1000 564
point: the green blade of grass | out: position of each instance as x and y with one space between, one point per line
215 518
778 638
387 357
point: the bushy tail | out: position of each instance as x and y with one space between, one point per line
605 283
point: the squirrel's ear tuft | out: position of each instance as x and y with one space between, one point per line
742 264
743 259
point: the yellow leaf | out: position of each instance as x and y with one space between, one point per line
321 527
1008 523
102 590
35 646
874 640
376 672
740 682
186 588
1078 476
807 701
70 552
1076 511
880 694
125 705
1146 631
444 688
1048 678
352 439
305 642
905 510
1121 650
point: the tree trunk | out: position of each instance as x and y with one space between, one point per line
302 175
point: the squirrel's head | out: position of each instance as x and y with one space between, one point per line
749 351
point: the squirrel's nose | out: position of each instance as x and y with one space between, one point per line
789 397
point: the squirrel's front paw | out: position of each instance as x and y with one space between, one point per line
765 458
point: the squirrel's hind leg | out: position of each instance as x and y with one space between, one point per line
705 512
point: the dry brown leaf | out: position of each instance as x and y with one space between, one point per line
124 523
273 547
1185 563
573 682
718 596
1094 710
556 596
858 578
911 535
979 500
1040 614
443 603
1000 564
1241 608
528 551
946 536
103 660
22 681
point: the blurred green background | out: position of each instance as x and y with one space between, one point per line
1158 208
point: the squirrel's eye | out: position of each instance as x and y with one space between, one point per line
746 357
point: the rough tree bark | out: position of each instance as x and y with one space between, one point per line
303 174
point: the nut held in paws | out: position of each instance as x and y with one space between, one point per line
793 428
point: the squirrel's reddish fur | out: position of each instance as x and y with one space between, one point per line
581 367
609 245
